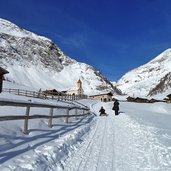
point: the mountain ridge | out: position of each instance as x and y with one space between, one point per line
38 62
143 81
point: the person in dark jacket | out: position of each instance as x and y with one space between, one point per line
116 107
102 111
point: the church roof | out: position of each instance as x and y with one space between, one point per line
109 94
79 81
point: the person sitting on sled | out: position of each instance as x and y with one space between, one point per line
102 111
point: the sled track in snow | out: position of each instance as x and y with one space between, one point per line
89 155
103 146
89 147
99 157
99 152
82 151
113 149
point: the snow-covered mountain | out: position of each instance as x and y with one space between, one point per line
149 79
37 62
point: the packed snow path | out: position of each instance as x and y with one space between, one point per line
138 139
97 151
119 143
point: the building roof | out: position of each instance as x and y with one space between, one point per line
52 92
109 94
79 81
169 95
3 71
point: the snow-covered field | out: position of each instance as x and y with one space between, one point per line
138 139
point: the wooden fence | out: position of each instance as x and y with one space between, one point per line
28 105
42 95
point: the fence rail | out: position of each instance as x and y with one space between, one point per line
42 95
29 104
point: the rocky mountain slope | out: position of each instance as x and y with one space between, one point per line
36 61
164 85
149 79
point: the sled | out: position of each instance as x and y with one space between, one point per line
104 114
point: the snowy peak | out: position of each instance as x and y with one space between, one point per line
141 81
163 57
9 28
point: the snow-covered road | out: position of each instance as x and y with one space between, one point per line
97 151
119 143
138 139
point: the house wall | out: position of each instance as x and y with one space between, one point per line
2 72
80 91
76 92
71 92
103 98
169 99
1 80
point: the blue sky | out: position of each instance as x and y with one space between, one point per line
114 36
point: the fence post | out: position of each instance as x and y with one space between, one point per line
67 118
84 112
25 131
50 118
45 96
76 112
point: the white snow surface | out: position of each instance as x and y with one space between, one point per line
39 77
140 81
138 139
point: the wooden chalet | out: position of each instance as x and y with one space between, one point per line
130 99
137 99
168 99
52 92
2 72
106 97
142 100
155 100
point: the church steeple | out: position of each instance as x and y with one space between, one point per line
79 84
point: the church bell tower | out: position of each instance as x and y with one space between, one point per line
80 89
79 84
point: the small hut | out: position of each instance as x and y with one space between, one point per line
2 72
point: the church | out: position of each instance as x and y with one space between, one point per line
78 91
